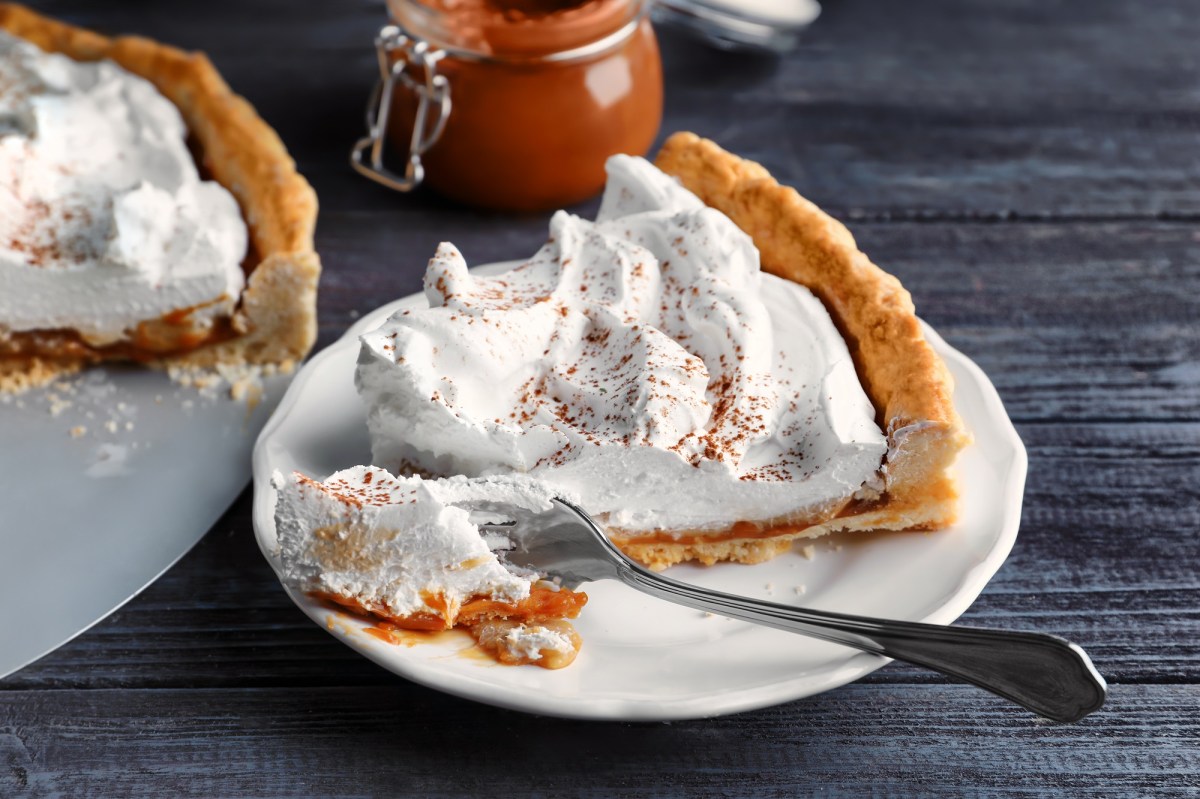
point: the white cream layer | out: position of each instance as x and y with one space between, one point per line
641 363
389 543
104 221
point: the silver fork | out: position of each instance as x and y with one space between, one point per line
1043 673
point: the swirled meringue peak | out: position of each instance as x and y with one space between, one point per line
641 363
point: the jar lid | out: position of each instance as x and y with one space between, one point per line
773 25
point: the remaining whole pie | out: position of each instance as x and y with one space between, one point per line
710 368
146 212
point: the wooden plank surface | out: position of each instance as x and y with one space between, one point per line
1030 170
863 740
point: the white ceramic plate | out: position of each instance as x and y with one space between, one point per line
645 659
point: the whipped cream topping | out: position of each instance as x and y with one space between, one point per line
641 363
398 545
104 220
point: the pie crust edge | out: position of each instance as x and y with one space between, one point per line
276 319
907 381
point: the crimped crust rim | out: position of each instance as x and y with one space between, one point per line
907 381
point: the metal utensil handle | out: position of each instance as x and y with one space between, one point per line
396 51
1043 673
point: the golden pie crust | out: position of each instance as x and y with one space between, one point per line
905 379
275 323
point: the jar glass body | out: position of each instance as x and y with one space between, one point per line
532 122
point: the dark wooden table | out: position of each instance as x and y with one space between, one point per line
1030 170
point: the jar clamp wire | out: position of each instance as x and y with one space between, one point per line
396 52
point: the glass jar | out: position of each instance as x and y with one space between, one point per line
512 104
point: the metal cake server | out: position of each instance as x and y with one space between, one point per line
1043 673
106 479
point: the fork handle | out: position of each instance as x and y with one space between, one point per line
1043 673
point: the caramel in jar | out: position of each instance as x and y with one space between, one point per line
540 94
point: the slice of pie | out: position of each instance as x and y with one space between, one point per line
147 213
699 407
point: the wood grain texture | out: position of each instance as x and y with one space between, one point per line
862 740
1029 169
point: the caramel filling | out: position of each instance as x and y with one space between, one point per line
543 604
174 333
743 530
486 619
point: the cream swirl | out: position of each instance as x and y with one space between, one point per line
104 220
640 362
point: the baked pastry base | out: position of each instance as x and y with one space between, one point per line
905 379
275 322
